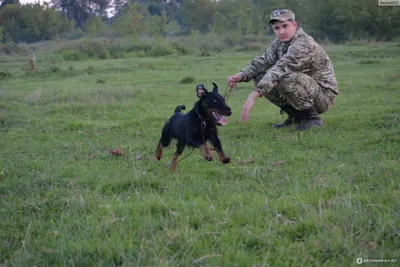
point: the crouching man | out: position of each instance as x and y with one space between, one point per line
295 74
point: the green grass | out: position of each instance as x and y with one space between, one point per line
318 198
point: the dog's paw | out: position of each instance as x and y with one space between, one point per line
172 167
226 160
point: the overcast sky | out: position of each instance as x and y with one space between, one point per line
32 1
42 1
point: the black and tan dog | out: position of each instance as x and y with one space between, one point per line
197 126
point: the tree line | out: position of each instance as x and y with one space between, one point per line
333 20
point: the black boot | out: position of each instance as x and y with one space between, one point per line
294 117
311 118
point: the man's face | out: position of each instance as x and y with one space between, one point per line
284 30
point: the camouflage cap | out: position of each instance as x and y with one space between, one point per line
281 15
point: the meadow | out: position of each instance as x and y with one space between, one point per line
323 197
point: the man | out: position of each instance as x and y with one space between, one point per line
294 73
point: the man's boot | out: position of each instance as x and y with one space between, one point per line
294 117
311 118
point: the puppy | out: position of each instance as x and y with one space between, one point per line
196 127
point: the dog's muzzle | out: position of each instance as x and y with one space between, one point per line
219 119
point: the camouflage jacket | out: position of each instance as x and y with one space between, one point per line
302 54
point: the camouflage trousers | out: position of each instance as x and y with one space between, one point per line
300 91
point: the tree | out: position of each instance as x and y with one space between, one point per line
81 10
32 23
157 25
7 2
131 21
93 26
198 15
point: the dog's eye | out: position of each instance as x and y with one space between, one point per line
215 100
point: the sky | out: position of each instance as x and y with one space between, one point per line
42 1
32 1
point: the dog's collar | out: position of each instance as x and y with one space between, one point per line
199 115
203 121
203 126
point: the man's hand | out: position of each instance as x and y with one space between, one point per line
244 115
233 80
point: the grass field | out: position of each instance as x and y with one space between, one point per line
318 198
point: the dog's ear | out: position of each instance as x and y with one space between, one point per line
201 90
215 89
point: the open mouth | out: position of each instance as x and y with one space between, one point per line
218 118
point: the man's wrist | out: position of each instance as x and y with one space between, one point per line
257 91
240 75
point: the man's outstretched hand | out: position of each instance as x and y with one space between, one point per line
233 80
244 115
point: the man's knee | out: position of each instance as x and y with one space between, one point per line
298 89
290 77
289 82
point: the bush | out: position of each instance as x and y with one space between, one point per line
117 51
95 50
207 49
228 41
90 70
139 47
207 45
246 39
159 51
103 50
54 68
76 34
181 49
369 61
142 48
85 49
250 47
70 55
12 49
188 79
4 75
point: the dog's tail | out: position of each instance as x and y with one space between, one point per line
179 108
